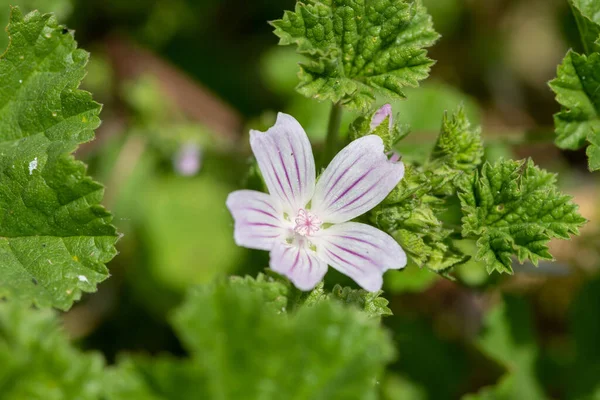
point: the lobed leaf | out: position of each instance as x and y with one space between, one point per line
411 215
355 48
508 337
60 8
155 378
577 88
55 237
371 303
582 371
326 351
37 361
515 208
587 16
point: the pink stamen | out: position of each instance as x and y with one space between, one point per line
307 223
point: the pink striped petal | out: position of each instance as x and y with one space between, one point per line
360 251
357 179
258 219
300 264
286 162
380 115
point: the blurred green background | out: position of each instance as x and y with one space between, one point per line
182 81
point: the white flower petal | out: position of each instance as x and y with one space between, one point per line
301 265
360 251
357 179
258 219
286 162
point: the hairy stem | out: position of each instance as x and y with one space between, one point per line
333 132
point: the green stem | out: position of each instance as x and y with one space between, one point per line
333 132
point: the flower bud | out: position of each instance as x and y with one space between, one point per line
380 115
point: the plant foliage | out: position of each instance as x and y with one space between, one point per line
577 87
355 48
513 207
55 237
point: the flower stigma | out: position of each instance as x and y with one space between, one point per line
307 223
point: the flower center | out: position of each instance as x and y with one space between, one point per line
307 223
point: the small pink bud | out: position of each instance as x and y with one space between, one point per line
394 156
188 160
380 116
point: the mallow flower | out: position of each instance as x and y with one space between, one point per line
305 223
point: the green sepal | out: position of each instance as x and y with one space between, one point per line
361 126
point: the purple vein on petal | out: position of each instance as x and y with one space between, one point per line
344 260
265 236
358 198
355 254
268 205
297 168
286 171
356 182
279 181
306 177
360 240
295 261
260 224
258 210
351 164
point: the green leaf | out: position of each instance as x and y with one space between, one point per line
593 150
357 47
411 279
458 150
61 8
37 361
411 214
587 15
513 207
396 387
369 302
54 236
246 350
508 337
155 378
577 88
458 146
582 376
435 364
275 293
